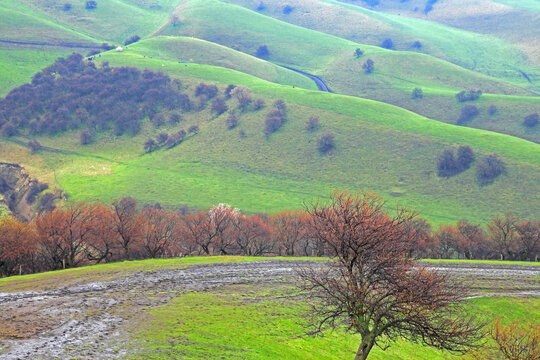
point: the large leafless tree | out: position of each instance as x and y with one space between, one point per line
373 288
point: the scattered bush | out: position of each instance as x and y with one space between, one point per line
66 7
489 168
280 105
219 106
368 66
531 120
358 52
209 91
228 91
470 95
157 120
175 139
34 145
468 112
261 7
90 5
312 123
243 96
416 45
326 143
162 138
258 104
9 130
465 157
262 52
194 129
132 40
387 44
287 9
492 110
448 165
417 93
232 121
174 118
150 145
86 137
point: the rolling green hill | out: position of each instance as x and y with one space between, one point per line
483 53
396 73
258 174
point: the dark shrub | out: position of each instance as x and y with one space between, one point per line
287 9
531 120
274 120
158 120
258 104
66 7
372 3
312 123
208 90
91 5
175 139
86 137
150 145
219 106
492 110
326 143
232 121
175 119
387 44
193 129
490 167
417 93
446 164
132 40
358 52
470 95
34 191
46 202
468 112
34 145
280 105
368 66
262 52
228 91
162 138
465 157
9 130
416 45
261 7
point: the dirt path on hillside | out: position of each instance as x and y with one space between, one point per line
87 321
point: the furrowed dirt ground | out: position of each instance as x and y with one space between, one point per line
88 320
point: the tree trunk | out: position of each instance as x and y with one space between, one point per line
364 348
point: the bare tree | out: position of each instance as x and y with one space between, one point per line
373 288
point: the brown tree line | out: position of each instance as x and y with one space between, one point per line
81 234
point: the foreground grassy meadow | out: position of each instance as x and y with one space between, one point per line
246 319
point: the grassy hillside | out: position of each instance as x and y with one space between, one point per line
112 20
285 170
18 64
482 53
396 73
191 50
514 21
21 23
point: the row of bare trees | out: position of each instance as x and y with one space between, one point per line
81 234
505 237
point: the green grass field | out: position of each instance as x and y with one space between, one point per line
245 321
251 172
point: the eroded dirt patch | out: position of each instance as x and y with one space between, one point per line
90 321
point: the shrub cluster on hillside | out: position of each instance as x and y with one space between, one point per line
275 118
468 112
489 168
81 234
531 120
470 95
448 164
72 94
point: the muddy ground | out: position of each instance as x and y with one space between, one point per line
88 321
